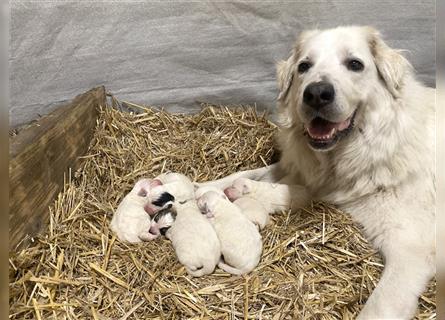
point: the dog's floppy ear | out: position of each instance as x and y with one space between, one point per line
286 68
391 65
285 76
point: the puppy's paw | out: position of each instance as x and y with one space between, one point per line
147 236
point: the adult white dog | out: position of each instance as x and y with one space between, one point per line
357 130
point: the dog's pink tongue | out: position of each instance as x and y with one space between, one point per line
320 128
344 124
324 129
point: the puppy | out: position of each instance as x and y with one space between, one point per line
249 206
130 222
196 244
162 221
241 244
172 187
253 210
269 196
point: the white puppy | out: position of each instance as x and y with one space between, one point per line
241 244
130 222
196 244
249 206
270 197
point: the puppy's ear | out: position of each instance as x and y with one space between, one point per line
155 183
142 187
392 66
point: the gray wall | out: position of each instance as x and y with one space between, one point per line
177 54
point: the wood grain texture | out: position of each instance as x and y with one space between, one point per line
40 154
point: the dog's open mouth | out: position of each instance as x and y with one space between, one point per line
323 134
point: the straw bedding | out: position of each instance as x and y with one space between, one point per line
315 263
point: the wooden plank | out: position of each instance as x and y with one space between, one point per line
40 154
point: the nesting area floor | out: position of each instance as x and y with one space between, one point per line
315 263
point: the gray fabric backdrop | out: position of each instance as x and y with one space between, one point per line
176 54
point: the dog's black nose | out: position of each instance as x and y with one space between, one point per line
319 94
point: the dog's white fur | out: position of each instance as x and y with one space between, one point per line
241 243
382 173
130 222
194 239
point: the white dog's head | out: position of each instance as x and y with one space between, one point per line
330 76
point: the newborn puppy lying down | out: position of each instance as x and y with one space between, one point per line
272 196
250 207
241 244
193 237
130 222
196 244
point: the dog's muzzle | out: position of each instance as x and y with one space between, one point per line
322 131
324 134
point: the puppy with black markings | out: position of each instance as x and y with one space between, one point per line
193 237
162 221
172 187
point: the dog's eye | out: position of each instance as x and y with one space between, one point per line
303 67
354 65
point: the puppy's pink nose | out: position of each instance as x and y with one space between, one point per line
154 230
